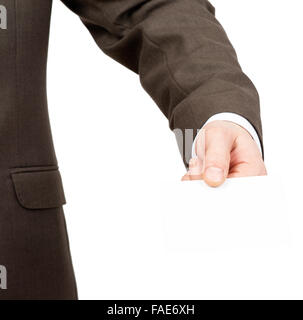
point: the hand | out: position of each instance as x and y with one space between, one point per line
224 150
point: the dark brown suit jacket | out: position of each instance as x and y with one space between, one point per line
185 62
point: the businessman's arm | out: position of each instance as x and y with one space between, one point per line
183 56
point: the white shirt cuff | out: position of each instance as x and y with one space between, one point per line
233 117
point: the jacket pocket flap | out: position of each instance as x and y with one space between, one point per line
39 188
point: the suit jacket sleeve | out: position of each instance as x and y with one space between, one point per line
181 52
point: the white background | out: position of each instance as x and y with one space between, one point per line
121 167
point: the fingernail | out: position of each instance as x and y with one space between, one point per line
214 174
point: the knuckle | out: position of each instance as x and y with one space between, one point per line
259 168
215 130
262 169
218 132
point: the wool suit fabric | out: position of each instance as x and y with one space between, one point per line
185 62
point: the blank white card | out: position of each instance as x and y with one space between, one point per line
187 241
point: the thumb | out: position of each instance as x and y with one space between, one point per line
219 144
